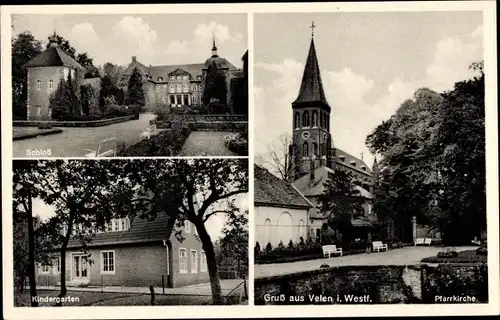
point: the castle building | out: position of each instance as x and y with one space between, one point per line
44 74
179 85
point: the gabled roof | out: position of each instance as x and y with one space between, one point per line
270 190
314 187
141 231
352 162
53 57
311 87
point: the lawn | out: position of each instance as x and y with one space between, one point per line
468 256
19 133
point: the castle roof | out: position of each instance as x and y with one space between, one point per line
311 87
141 231
53 57
271 191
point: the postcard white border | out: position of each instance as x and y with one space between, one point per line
489 13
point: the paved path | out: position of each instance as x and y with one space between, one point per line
201 289
72 141
206 143
402 256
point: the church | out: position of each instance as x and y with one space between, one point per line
314 156
183 85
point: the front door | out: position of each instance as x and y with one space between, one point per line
80 270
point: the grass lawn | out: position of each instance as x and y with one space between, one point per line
82 298
468 256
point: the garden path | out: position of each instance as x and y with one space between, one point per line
206 143
72 141
402 256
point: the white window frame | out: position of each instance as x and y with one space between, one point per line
185 88
203 262
38 84
51 84
183 268
194 99
179 77
102 262
158 88
178 88
185 77
194 263
38 110
56 268
42 266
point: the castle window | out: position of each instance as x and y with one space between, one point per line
314 149
172 99
193 87
171 88
185 77
315 118
297 120
305 119
179 88
50 112
172 77
305 150
164 86
157 88
39 84
179 77
51 84
194 99
322 120
201 87
185 88
198 77
38 110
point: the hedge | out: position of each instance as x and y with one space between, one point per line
165 143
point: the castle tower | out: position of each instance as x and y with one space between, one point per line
311 136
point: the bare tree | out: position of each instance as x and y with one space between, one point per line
278 158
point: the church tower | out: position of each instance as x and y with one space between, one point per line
311 138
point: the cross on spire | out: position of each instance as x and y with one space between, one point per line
312 28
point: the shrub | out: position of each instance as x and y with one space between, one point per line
163 111
290 244
447 254
44 126
165 143
301 243
114 111
257 246
281 245
238 144
269 247
482 251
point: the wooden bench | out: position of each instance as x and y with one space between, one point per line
105 148
378 245
328 250
151 131
427 241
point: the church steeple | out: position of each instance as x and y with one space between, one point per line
311 87
214 48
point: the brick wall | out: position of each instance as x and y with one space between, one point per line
374 284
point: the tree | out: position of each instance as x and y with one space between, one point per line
113 72
135 91
83 193
64 102
88 64
279 158
171 188
24 191
433 161
340 201
215 88
63 44
234 240
24 48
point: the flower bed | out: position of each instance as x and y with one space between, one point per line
166 143
468 256
238 143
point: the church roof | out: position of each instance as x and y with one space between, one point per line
314 187
270 190
345 159
311 87
53 57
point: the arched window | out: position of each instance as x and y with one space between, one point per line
321 119
315 118
305 119
314 149
267 232
327 122
285 228
297 120
305 149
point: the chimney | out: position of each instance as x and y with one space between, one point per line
134 58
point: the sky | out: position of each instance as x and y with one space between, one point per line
370 63
159 39
214 224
